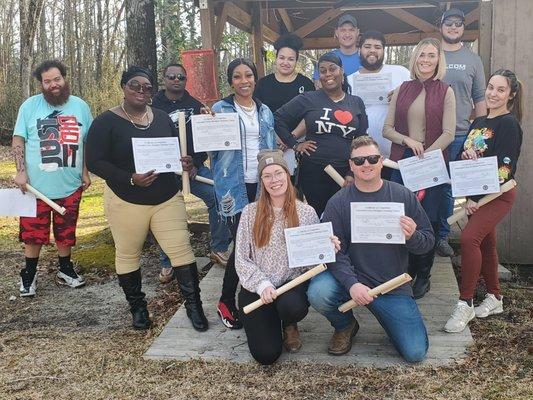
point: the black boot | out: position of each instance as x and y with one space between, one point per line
131 285
422 273
187 277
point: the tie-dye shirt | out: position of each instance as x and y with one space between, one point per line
500 136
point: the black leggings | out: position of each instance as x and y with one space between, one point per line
317 186
231 279
263 326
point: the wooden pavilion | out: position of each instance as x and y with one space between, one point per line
503 30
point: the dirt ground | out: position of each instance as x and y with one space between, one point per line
77 344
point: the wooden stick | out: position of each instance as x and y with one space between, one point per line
484 200
390 164
381 289
185 184
334 175
288 286
55 206
202 179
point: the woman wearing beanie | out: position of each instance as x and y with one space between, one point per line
333 118
135 203
262 264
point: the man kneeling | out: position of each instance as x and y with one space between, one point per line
362 266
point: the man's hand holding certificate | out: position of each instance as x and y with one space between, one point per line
473 177
157 154
377 222
216 132
310 245
422 173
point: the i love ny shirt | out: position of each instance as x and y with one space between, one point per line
332 125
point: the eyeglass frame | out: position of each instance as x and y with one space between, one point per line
449 23
366 158
270 177
179 77
143 87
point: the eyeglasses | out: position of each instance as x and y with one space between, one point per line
136 86
173 77
275 176
450 23
373 159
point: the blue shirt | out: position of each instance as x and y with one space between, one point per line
350 63
54 137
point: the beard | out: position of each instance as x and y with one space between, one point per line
57 99
450 40
372 67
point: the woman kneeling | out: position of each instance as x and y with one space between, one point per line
262 263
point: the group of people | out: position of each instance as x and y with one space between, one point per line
290 129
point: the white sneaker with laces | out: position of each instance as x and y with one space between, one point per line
70 278
28 290
460 318
491 305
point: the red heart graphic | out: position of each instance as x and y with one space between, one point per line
343 116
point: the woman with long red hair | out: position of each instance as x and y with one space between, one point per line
262 264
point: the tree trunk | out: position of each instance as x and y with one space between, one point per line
29 13
140 34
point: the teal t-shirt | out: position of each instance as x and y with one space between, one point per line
54 137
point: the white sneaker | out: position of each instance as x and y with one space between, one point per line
69 277
460 318
28 285
491 305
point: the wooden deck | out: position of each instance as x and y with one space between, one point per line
371 346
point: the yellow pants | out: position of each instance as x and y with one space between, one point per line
130 223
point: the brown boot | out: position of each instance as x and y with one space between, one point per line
291 338
341 341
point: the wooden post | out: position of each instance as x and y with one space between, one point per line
257 37
207 23
485 35
512 37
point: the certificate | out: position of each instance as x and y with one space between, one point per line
376 222
310 245
219 132
159 154
472 177
14 203
372 88
422 173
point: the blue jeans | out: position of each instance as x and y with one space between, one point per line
397 314
454 149
220 234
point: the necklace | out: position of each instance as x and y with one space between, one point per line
145 115
249 112
340 98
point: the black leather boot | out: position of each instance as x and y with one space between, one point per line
422 273
131 285
187 277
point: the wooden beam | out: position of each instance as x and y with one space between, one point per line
238 17
286 19
206 25
411 19
318 22
220 24
257 38
393 39
485 36
472 16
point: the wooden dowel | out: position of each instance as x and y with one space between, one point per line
334 175
54 205
185 184
288 286
484 200
381 289
390 164
202 179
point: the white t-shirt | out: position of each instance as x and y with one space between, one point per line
387 79
251 145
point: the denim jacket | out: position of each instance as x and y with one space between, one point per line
227 165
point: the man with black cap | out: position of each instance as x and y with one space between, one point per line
347 34
465 74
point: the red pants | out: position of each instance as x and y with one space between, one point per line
478 246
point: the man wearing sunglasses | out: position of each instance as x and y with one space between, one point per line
362 266
465 74
173 99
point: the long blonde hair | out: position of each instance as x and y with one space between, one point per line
264 217
441 66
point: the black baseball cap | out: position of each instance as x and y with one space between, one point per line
347 18
452 12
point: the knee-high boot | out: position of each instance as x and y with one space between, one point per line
131 285
187 277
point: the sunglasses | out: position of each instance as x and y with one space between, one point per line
173 77
136 86
457 24
373 159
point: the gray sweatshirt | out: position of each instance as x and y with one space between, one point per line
369 263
